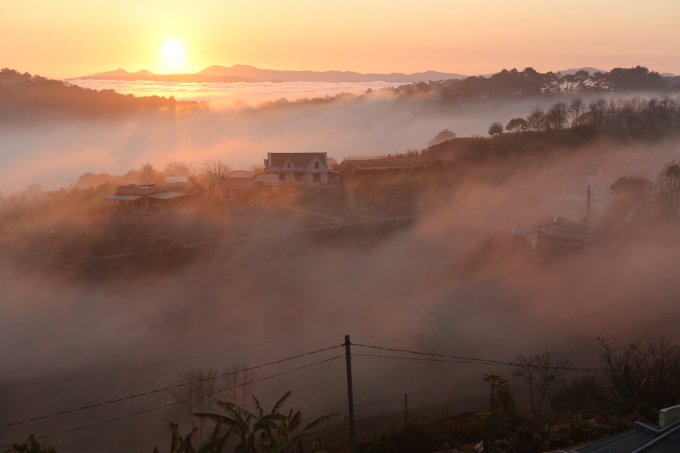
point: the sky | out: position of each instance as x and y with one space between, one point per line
71 38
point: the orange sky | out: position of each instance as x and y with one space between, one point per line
69 38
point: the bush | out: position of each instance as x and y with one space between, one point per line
583 393
31 446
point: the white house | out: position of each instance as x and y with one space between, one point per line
299 168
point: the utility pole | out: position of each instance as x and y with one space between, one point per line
350 395
588 205
406 409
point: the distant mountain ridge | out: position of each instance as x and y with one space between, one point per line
251 74
245 73
144 75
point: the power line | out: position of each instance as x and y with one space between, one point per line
175 403
166 388
490 361
423 301
417 358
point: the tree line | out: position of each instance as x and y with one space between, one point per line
529 82
599 114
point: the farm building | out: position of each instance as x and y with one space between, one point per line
241 185
552 236
150 195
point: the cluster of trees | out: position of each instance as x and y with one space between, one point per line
200 176
635 379
148 174
442 137
24 93
599 114
666 188
529 82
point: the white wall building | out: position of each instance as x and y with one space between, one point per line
298 168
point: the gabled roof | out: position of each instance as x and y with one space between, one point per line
557 221
298 159
629 441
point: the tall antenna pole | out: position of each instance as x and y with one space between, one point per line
350 395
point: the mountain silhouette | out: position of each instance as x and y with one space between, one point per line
245 73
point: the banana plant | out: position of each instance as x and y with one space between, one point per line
213 443
272 432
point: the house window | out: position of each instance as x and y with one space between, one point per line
288 165
316 165
299 177
282 176
316 177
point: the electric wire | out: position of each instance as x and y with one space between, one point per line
516 364
164 389
172 404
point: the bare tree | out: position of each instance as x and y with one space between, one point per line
148 174
238 382
641 376
557 116
596 111
199 391
541 373
576 108
536 120
175 168
197 395
211 169
257 169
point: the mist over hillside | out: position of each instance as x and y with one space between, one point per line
438 278
112 304
84 130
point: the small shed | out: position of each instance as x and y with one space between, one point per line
552 236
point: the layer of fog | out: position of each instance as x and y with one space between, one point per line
382 293
229 93
53 153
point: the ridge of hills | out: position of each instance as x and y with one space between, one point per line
251 74
246 73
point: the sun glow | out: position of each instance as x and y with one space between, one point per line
172 51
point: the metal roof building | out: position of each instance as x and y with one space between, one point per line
641 439
552 235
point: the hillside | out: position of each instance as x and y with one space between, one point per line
27 95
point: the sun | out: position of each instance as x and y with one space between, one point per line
172 51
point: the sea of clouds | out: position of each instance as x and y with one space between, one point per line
226 93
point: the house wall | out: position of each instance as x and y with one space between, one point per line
308 172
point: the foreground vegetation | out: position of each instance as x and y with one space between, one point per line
631 385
